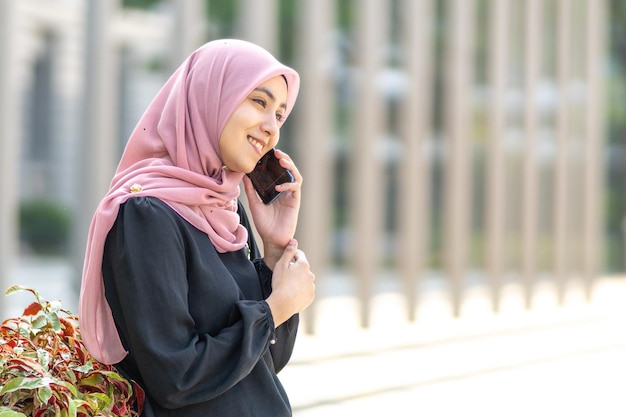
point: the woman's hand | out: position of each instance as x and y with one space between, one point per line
293 284
276 222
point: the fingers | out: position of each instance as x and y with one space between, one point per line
249 188
293 257
251 194
299 259
289 254
287 162
293 284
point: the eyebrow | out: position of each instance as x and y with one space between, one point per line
270 95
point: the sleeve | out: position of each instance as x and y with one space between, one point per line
146 256
285 337
285 333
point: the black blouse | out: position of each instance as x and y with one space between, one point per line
200 337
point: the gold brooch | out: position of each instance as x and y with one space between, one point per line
135 188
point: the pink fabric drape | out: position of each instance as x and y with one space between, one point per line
173 154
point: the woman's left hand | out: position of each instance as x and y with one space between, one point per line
276 222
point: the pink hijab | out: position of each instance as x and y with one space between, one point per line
173 154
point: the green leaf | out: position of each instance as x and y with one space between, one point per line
40 322
7 412
83 368
25 332
93 380
99 398
15 288
53 319
70 387
114 375
44 358
55 306
71 410
19 288
24 383
44 394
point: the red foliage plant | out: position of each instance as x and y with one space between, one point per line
45 370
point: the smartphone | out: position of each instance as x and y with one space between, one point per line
267 174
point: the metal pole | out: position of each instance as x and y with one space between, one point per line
259 23
189 29
99 140
594 141
561 216
458 170
9 148
315 122
495 174
414 174
532 33
367 173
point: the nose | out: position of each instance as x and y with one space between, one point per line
270 125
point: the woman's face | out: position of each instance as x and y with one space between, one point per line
253 128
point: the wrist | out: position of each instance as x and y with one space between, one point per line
271 254
279 313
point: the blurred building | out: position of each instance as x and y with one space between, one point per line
451 139
76 77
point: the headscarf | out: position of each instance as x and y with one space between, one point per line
173 154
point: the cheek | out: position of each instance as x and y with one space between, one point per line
275 139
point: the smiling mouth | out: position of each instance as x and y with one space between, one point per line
258 145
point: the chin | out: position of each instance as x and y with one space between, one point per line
250 167
244 166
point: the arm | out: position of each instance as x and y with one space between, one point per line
285 333
292 283
146 253
276 222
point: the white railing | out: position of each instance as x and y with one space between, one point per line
476 125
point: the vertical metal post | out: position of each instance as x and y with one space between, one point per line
315 130
259 23
99 145
189 29
594 141
532 34
366 201
413 179
561 216
459 155
9 148
495 174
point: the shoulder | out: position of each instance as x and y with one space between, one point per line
146 207
143 213
145 204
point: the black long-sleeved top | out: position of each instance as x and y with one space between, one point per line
200 337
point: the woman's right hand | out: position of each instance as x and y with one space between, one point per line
293 284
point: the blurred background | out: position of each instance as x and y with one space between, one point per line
464 160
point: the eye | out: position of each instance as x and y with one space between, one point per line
260 102
279 117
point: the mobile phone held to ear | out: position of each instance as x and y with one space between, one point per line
267 174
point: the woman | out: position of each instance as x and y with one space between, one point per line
173 292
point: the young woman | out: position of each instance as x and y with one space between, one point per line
174 292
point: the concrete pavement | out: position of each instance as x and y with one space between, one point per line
552 361
567 361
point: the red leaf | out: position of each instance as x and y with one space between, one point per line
68 328
119 410
140 396
32 309
26 365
